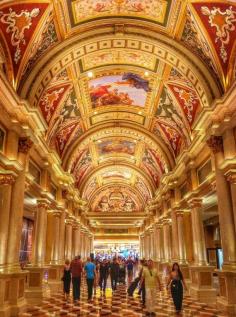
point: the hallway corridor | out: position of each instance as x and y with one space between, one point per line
116 305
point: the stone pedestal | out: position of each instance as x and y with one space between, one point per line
55 273
12 293
227 299
201 287
37 286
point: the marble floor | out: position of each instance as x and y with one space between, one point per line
116 304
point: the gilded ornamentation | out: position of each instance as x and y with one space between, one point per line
24 145
189 101
156 10
47 40
193 39
17 24
225 24
216 144
6 179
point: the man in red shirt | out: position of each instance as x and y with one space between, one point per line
76 270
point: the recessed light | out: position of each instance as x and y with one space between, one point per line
140 112
146 74
90 74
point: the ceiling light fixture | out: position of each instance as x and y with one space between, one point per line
90 74
146 74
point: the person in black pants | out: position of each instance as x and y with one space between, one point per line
176 282
67 279
76 270
90 271
114 271
103 271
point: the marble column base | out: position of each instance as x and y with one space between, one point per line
201 287
37 286
12 293
227 299
55 273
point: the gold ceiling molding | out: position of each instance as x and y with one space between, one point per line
160 46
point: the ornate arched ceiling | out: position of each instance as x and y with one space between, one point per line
119 84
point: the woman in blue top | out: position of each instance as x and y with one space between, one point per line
90 271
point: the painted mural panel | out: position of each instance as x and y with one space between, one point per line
128 89
119 57
117 174
115 200
110 147
84 10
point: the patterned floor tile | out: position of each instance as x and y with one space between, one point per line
116 304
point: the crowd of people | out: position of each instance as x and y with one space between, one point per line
138 274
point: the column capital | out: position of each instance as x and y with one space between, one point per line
70 221
231 176
179 213
76 225
7 179
215 143
24 145
56 213
43 203
195 202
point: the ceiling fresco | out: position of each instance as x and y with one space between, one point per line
127 89
119 84
85 10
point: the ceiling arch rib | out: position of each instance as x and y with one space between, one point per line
122 130
127 173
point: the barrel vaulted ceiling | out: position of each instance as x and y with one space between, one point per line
119 85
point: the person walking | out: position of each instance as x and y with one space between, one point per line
143 264
114 272
66 279
103 273
176 282
130 269
76 271
151 281
90 272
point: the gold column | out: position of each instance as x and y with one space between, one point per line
6 182
201 273
151 252
82 243
68 243
56 238
230 153
160 255
175 238
181 239
62 238
76 239
40 233
166 236
17 204
225 149
199 246
226 216
154 243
